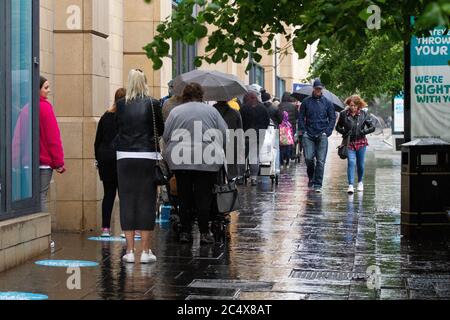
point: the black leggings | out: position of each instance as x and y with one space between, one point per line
110 190
195 192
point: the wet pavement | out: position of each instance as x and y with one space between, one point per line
287 243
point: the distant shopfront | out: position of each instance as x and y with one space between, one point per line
19 112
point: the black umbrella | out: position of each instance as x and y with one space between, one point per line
307 91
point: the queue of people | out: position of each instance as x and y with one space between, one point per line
138 131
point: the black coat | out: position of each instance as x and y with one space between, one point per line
105 152
274 114
135 125
234 121
232 117
356 126
255 117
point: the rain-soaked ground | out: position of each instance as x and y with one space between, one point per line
287 243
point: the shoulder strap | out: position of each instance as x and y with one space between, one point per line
155 130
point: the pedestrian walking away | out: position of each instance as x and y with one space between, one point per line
317 120
137 155
354 124
254 118
233 119
106 160
286 141
274 114
195 179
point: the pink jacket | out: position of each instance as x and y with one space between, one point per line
52 153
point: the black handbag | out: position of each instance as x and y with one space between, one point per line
227 195
162 171
343 148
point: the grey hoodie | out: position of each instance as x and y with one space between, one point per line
190 142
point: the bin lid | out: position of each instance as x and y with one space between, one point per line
426 142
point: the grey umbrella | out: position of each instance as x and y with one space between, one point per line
218 86
307 91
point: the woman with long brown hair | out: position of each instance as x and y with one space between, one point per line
105 156
354 124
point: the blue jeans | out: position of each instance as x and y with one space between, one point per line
356 159
285 154
316 152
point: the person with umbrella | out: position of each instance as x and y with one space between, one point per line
196 172
316 120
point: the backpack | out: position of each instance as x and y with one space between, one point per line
286 136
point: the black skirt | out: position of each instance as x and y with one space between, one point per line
137 193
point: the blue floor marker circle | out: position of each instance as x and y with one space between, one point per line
111 239
67 263
107 239
19 296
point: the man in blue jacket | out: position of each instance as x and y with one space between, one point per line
317 120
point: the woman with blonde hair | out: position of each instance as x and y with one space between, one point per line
139 119
106 160
354 124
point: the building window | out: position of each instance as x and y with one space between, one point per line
21 100
183 57
280 87
257 75
19 135
183 54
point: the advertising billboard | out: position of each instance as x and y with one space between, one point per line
430 86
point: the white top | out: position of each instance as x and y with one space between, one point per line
139 155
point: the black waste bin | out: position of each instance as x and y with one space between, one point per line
425 185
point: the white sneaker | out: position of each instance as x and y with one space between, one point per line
106 233
351 189
148 257
129 257
361 187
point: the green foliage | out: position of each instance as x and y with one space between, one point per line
373 68
240 24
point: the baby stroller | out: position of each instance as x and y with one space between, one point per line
169 200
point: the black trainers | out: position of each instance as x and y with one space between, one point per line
206 238
185 238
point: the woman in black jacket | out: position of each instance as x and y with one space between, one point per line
354 124
139 119
105 156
